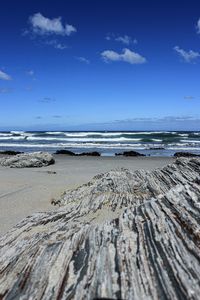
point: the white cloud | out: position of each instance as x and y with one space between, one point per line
4 76
30 73
198 26
45 26
188 56
83 59
108 38
56 44
126 56
127 40
47 100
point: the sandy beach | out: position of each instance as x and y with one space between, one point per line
29 190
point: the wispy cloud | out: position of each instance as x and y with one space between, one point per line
198 26
4 76
45 26
5 90
184 122
189 97
56 44
124 39
126 56
188 56
57 116
28 88
155 120
30 72
83 59
47 100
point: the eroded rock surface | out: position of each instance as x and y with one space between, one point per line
123 235
28 160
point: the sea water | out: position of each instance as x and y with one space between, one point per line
153 143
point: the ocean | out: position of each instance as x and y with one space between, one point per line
153 143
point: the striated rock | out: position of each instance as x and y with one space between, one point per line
129 153
185 154
123 235
28 160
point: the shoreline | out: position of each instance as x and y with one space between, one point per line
29 190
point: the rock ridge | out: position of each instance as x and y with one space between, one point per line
123 235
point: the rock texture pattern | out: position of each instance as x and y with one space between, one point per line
123 235
28 160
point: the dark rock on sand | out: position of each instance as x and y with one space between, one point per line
185 154
28 160
10 152
94 153
67 152
51 172
129 153
123 235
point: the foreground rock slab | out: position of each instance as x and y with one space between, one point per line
123 235
28 160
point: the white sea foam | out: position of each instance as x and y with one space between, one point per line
30 145
190 141
138 146
82 134
54 132
74 145
32 138
5 134
85 134
184 148
12 138
21 133
17 132
156 140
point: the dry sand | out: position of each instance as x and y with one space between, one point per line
25 191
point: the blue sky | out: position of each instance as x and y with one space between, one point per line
103 64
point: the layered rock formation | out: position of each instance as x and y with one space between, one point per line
28 160
123 235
